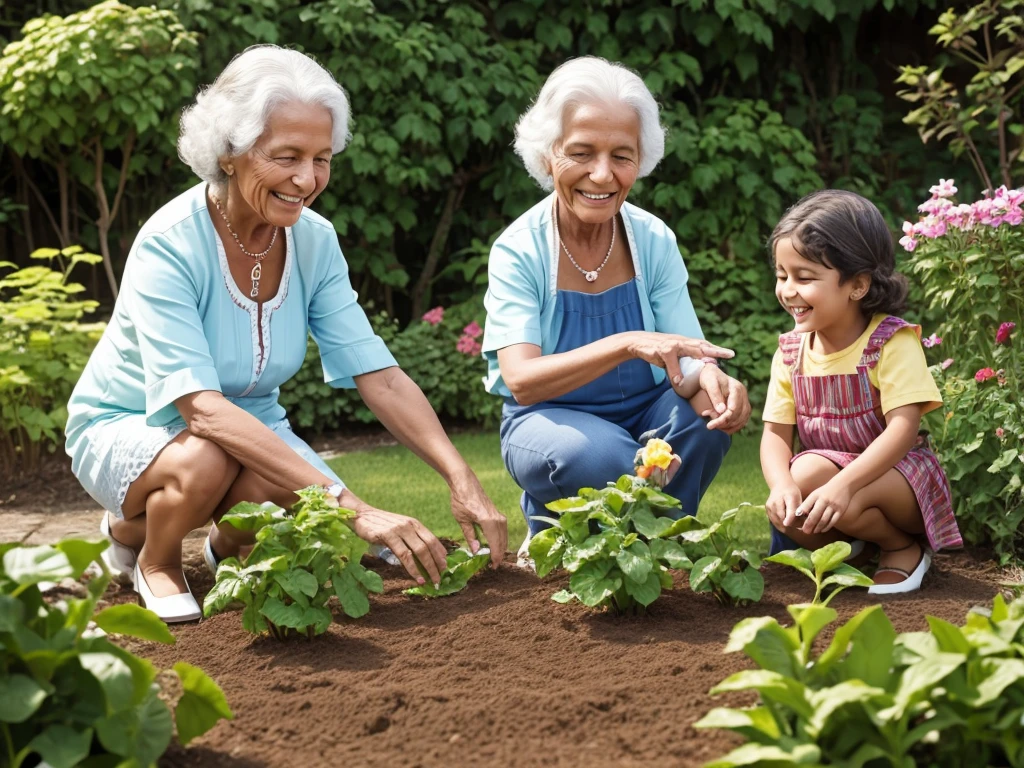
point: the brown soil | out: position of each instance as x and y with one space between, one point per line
499 675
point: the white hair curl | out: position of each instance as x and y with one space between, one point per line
230 115
586 80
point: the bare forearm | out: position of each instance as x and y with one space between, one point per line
406 413
546 377
256 446
883 454
776 453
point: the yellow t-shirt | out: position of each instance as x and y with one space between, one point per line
901 375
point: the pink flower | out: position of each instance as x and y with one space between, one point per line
434 316
473 330
467 345
908 243
944 188
931 227
946 363
1000 432
1014 216
1003 334
932 341
937 205
984 375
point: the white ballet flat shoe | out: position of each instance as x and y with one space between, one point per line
212 563
523 559
119 558
173 608
912 581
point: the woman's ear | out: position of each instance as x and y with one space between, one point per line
859 286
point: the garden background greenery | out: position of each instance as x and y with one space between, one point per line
764 100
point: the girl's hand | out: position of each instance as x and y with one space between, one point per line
824 507
410 540
782 503
665 349
731 406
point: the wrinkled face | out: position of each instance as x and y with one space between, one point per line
812 293
288 166
597 161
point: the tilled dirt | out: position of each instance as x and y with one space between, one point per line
500 675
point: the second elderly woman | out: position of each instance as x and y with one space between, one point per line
588 313
176 417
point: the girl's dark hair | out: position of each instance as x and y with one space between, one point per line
844 231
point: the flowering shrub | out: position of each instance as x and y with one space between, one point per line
969 259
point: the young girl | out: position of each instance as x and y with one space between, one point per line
853 379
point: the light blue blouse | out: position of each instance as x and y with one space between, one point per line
522 285
181 325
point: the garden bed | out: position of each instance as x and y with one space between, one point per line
501 675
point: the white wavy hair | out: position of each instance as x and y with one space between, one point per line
230 115
586 80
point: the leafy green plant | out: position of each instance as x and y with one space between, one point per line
43 348
302 558
875 698
67 693
826 567
615 543
722 564
461 566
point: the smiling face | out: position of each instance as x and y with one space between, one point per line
288 166
596 162
814 295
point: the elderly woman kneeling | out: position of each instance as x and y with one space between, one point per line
588 309
176 417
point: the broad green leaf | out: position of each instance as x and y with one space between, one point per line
795 558
765 755
369 579
142 734
846 576
114 676
866 641
297 583
134 621
810 620
646 524
949 637
645 592
249 516
767 643
771 685
680 526
591 548
671 553
201 705
636 563
825 701
20 697
591 583
563 596
350 594
226 590
921 677
61 746
296 616
702 571
31 565
746 584
999 675
81 554
747 722
828 557
546 549
11 613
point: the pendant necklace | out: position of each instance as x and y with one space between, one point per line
257 269
592 274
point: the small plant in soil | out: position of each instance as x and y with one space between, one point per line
616 543
461 566
68 695
948 697
303 557
721 564
826 567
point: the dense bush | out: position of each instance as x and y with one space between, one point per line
44 346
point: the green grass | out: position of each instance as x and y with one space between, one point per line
392 478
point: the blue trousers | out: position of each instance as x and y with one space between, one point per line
552 451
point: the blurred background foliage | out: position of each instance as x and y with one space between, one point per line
765 100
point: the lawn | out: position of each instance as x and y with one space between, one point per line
392 478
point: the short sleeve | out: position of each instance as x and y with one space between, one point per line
512 300
902 376
669 293
348 345
163 303
779 407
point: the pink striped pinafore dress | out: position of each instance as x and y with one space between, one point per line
837 417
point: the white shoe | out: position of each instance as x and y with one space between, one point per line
209 558
120 559
912 581
523 559
173 608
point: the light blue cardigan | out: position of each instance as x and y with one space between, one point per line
522 286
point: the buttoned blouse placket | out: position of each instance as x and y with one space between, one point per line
259 317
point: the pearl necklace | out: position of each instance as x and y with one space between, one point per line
592 275
257 269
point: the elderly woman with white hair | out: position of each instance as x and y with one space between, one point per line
588 309
176 417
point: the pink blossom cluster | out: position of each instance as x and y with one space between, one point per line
434 316
1003 334
932 341
942 214
467 343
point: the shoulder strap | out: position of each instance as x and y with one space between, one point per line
789 343
881 334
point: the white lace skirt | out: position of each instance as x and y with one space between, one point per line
117 450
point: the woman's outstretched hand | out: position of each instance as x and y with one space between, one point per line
410 540
665 349
473 509
729 401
